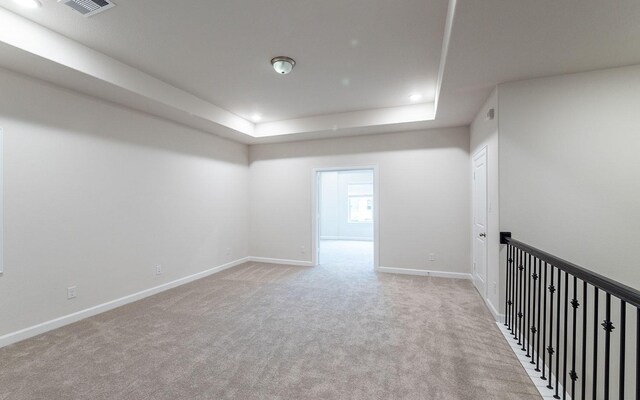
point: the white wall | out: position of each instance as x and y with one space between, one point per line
484 133
424 189
570 168
334 206
96 195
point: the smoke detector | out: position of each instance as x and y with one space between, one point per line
88 8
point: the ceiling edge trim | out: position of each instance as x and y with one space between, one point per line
448 28
33 38
348 120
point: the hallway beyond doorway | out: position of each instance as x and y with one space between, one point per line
345 220
346 253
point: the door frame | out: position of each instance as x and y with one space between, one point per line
482 151
315 209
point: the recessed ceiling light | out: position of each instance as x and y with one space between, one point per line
256 117
415 97
29 3
283 65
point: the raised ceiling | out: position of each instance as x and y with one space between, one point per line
352 55
205 64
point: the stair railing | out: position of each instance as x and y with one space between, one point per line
573 324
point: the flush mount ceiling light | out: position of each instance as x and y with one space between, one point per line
28 3
283 65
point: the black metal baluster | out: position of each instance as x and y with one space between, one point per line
521 300
623 337
507 298
512 290
526 317
558 303
584 340
516 334
565 342
552 289
608 327
528 310
516 285
595 343
539 267
544 322
534 330
514 275
575 305
637 353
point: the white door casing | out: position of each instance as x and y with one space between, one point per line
479 229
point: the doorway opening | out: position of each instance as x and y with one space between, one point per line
345 230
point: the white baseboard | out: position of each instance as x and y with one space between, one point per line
267 260
35 330
546 393
424 272
496 315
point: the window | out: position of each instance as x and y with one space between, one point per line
360 200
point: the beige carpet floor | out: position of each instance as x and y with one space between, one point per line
278 332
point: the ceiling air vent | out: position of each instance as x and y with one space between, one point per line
89 8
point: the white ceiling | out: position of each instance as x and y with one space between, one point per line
204 63
497 41
351 55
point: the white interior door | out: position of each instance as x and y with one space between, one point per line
480 221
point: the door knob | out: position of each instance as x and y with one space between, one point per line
483 235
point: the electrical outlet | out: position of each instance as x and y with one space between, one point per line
303 250
228 250
72 292
158 269
432 256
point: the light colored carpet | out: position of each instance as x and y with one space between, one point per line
275 332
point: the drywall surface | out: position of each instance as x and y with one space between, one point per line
334 205
484 134
570 168
424 189
96 196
